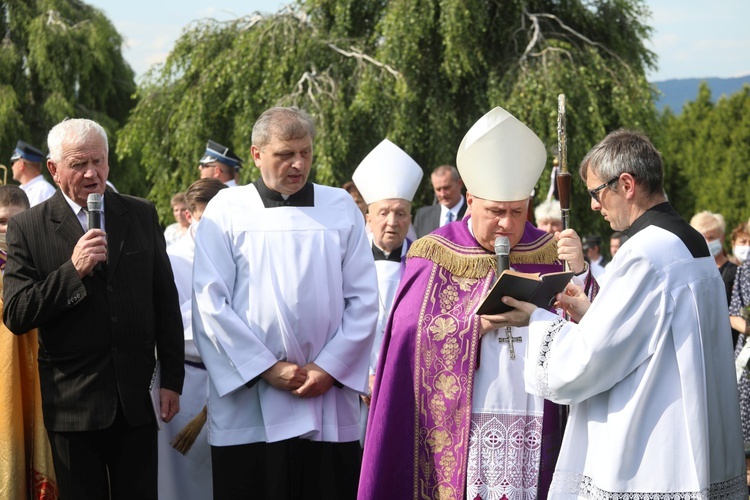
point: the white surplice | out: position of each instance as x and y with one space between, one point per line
389 276
188 476
648 374
505 441
284 283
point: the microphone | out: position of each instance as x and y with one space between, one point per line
94 206
502 249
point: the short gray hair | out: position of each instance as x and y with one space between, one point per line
446 169
286 123
75 131
626 151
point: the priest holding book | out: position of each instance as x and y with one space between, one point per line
449 416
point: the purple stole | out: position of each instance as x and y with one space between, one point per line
420 416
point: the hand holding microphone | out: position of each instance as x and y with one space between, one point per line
91 250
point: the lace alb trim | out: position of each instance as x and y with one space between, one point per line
504 454
583 486
542 374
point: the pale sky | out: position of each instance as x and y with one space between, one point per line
693 38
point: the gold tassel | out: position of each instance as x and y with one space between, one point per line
184 439
458 260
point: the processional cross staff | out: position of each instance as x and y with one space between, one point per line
564 179
564 184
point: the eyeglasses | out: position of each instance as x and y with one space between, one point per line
594 193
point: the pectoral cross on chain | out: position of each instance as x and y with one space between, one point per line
510 339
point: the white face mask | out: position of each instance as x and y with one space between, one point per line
714 247
741 252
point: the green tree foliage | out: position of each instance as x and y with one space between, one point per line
706 153
58 59
419 72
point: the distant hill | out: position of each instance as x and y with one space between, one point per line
680 91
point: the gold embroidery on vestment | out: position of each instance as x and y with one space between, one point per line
446 384
438 440
442 326
447 332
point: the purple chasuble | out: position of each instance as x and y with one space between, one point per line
417 438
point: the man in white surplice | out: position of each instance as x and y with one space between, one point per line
188 476
284 312
389 178
647 370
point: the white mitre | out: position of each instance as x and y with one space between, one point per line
387 172
500 158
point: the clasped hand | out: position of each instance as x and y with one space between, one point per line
308 381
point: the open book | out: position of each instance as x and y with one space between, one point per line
528 287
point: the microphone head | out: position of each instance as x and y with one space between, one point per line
502 245
94 202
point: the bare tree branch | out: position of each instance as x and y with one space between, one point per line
537 35
359 55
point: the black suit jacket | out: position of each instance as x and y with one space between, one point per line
97 335
427 218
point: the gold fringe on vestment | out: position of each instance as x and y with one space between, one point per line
475 262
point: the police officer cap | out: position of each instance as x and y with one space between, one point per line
217 152
27 152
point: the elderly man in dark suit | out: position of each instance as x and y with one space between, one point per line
99 327
450 206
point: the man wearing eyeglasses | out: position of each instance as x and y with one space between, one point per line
654 405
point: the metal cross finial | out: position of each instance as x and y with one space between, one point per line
510 339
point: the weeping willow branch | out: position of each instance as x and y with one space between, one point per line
359 55
313 85
537 36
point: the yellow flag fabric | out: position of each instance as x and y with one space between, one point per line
26 469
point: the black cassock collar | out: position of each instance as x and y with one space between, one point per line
305 197
394 256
